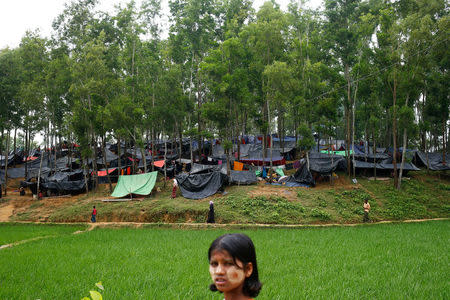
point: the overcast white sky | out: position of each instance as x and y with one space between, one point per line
18 16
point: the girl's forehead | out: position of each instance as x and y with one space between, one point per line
221 253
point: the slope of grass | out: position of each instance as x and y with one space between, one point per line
421 196
396 261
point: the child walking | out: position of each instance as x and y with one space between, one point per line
94 215
233 268
366 207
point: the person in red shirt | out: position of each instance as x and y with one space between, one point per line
174 188
94 215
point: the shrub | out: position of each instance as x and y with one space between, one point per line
320 214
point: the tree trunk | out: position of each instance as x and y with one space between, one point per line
94 160
180 134
153 127
15 148
39 174
165 164
394 131
444 133
374 155
85 173
70 151
307 159
347 118
26 153
106 165
402 165
119 159
353 129
144 160
6 160
54 142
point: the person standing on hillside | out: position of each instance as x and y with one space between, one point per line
366 211
174 188
94 215
211 218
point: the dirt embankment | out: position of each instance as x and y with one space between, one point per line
40 210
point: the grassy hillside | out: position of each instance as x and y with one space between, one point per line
422 196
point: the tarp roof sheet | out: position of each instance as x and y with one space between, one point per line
199 168
141 184
385 166
242 177
435 161
199 186
325 163
159 163
65 186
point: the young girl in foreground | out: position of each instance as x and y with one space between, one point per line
233 269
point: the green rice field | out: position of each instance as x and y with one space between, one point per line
13 232
382 261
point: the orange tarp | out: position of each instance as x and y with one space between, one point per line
238 166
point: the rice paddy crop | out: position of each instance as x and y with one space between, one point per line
13 232
390 261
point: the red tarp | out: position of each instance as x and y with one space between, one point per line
159 163
259 162
103 173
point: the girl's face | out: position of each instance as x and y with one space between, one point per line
228 275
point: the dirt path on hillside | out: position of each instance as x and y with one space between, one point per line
6 211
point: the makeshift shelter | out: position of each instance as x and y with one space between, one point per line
199 168
433 160
66 176
109 157
302 177
325 164
384 167
65 187
199 186
259 161
242 177
14 172
141 184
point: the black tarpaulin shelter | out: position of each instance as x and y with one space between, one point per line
385 166
12 159
14 172
109 155
370 157
434 160
34 173
301 177
325 164
199 168
66 176
242 177
199 186
65 187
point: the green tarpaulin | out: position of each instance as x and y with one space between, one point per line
141 184
279 171
342 153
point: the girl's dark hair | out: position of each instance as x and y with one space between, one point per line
241 247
